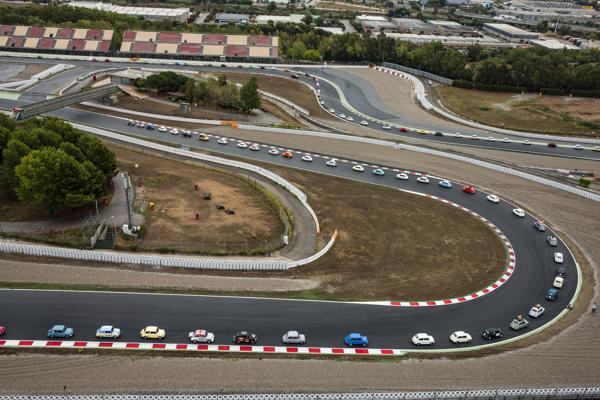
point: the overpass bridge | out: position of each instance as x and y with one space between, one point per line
41 107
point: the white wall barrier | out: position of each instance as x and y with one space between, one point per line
175 261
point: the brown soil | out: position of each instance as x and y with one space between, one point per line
172 223
395 255
30 70
295 92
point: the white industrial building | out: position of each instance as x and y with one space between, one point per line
292 18
451 41
332 29
510 33
553 44
149 13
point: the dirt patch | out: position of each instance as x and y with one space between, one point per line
542 114
171 224
30 70
295 92
395 255
343 6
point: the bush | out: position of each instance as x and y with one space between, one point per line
484 107
584 182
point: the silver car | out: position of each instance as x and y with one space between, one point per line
293 337
539 226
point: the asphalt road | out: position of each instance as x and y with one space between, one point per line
29 314
363 97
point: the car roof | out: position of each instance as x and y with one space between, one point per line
106 327
293 333
355 335
59 327
151 328
200 332
460 333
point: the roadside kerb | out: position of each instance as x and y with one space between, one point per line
422 97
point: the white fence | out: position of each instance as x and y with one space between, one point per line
174 261
502 394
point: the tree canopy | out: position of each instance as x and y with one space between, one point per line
46 163
249 95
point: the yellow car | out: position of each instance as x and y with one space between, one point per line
153 332
203 137
596 148
422 131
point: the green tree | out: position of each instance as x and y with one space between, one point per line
312 55
272 6
11 157
308 19
249 95
222 80
52 180
297 50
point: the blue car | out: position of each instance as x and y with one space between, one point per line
356 339
445 184
60 331
378 171
552 294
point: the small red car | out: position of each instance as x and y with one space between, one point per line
469 189
2 330
403 129
288 154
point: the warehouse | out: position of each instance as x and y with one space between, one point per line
510 33
237 19
149 13
413 25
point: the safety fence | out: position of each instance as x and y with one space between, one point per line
502 394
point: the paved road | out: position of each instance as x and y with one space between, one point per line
322 321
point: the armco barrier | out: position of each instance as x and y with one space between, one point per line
490 394
418 72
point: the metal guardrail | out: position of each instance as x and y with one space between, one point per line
45 106
418 72
502 394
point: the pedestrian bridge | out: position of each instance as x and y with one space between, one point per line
44 106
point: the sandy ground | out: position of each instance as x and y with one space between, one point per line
19 271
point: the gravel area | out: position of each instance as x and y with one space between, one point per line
18 271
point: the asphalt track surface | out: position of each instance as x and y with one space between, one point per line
28 314
363 97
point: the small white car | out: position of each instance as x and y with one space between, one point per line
174 131
201 336
506 140
460 337
475 137
332 163
140 124
293 337
242 145
307 158
558 283
402 176
493 198
349 118
364 123
343 116
222 141
108 332
423 339
491 139
254 147
536 311
358 168
162 129
274 152
423 179
526 142
458 135
578 147
386 127
519 212
331 110
558 258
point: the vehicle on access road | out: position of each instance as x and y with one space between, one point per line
552 241
108 332
254 147
222 141
558 258
358 168
552 294
423 179
245 337
492 333
536 311
60 332
519 323
378 172
201 336
242 145
293 337
356 339
153 332
307 158
287 154
558 282
203 137
493 198
540 226
274 152
402 176
332 163
445 184
423 339
469 189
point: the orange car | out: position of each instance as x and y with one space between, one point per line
288 154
